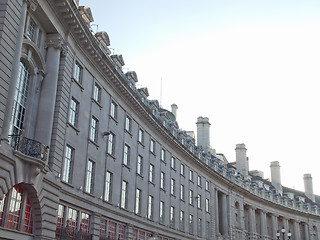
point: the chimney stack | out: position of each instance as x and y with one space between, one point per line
174 109
275 175
203 133
308 186
241 159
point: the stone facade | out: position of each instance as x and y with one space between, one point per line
84 154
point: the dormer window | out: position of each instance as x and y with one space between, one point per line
154 112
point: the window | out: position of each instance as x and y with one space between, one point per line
152 146
191 175
207 205
199 180
140 165
16 211
78 72
182 169
199 227
90 177
111 144
138 201
141 136
172 213
163 155
181 220
97 93
128 124
173 186
85 223
67 164
151 173
207 185
182 192
150 207
94 130
191 224
72 219
199 201
60 221
162 212
190 197
124 195
108 187
162 180
74 112
126 155
20 100
32 30
173 163
113 110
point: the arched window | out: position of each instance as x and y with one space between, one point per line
16 210
20 100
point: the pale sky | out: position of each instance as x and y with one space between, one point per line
251 67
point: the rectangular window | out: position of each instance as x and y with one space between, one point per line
31 31
182 192
191 224
181 220
207 205
172 217
111 143
126 155
162 211
199 227
191 175
199 180
90 177
151 173
78 72
128 124
190 197
173 163
67 164
152 146
85 223
162 180
60 221
182 169
97 93
173 186
74 112
72 219
139 165
138 201
163 155
199 201
108 187
207 185
113 110
150 207
124 195
94 129
141 136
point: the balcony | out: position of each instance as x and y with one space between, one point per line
30 148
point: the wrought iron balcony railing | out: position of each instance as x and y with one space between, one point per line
29 147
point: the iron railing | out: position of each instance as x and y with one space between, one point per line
72 234
29 147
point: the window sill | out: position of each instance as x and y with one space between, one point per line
114 119
112 156
94 143
129 132
127 166
66 183
74 128
98 103
78 83
138 174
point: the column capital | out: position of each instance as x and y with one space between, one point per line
31 4
54 40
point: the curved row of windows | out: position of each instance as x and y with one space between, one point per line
16 210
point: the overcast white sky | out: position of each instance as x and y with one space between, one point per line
252 67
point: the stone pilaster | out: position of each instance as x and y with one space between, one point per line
263 221
296 231
225 215
47 101
274 226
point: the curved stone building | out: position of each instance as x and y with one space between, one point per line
85 154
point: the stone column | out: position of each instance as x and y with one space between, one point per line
225 215
48 90
15 72
252 221
263 222
306 232
296 231
217 213
275 227
285 224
